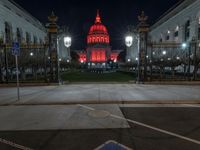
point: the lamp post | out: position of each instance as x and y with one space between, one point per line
184 46
129 42
194 49
67 42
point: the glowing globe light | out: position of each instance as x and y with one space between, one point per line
67 41
184 45
129 41
164 52
31 54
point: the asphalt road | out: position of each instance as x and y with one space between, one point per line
140 127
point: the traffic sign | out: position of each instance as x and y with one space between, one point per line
112 145
15 49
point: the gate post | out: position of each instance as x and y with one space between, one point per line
53 52
143 30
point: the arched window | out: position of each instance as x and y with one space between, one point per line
35 40
176 32
28 38
98 40
41 41
19 35
8 32
93 40
102 40
198 28
187 30
105 40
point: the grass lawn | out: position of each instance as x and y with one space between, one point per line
94 77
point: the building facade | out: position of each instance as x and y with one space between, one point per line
18 25
180 24
175 37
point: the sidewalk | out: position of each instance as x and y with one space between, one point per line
102 94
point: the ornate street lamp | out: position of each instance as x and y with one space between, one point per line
67 41
129 40
129 43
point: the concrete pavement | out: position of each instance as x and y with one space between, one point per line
101 93
17 118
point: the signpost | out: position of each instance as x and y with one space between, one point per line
16 53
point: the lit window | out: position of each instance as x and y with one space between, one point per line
167 37
176 34
177 28
199 20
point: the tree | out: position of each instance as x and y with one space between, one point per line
74 56
122 56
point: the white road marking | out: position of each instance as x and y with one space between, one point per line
150 127
191 105
87 107
14 144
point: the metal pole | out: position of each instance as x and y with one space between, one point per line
189 61
195 61
151 63
58 61
6 62
138 75
17 74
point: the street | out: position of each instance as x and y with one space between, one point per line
85 127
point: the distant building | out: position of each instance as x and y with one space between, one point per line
16 24
98 51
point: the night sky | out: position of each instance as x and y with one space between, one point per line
79 15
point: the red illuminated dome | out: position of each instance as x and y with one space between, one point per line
98 33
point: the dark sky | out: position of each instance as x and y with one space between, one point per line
79 15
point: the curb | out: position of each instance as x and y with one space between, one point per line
107 102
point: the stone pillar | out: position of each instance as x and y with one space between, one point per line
181 33
143 30
193 28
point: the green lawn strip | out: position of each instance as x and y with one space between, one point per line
95 77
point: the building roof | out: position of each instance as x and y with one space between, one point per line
98 27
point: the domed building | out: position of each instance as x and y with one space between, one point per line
98 51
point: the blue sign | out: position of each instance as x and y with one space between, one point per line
112 145
15 48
